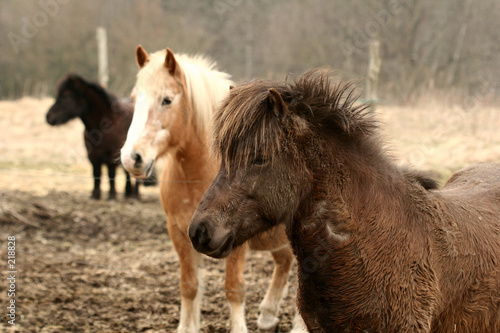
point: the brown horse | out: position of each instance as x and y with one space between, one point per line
174 99
378 249
106 120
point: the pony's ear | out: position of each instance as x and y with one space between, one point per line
231 87
170 62
141 55
277 103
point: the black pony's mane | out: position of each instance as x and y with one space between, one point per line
75 82
245 127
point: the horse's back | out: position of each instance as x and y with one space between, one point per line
471 194
123 111
468 233
477 185
481 176
125 108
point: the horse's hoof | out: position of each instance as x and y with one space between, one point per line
188 330
133 196
95 195
267 322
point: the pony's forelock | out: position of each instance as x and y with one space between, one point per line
244 128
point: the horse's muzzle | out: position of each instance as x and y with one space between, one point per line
134 163
209 239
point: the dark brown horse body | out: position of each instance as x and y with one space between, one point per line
379 248
106 121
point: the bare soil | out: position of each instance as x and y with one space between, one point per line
109 266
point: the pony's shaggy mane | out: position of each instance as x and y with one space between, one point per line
69 83
246 128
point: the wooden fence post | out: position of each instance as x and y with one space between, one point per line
102 56
374 64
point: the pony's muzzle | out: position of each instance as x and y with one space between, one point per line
207 239
51 118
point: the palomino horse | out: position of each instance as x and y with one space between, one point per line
106 121
174 100
377 250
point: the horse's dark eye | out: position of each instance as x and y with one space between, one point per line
259 161
166 101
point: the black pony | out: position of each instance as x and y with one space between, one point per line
106 121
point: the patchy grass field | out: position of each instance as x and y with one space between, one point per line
109 266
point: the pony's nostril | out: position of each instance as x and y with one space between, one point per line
199 236
137 158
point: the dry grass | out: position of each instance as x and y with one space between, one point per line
442 139
40 158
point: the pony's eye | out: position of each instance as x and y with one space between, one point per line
166 101
259 161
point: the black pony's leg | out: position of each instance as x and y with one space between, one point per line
96 169
112 175
136 188
128 185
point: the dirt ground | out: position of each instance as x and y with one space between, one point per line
101 266
109 266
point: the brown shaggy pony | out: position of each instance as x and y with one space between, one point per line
379 248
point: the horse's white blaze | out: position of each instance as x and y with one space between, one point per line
141 111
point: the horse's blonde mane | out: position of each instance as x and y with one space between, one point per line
206 85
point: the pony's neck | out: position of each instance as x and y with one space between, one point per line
95 109
354 186
360 206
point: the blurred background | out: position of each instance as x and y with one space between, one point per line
447 46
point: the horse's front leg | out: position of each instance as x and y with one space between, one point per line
270 305
235 288
191 281
96 171
111 176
